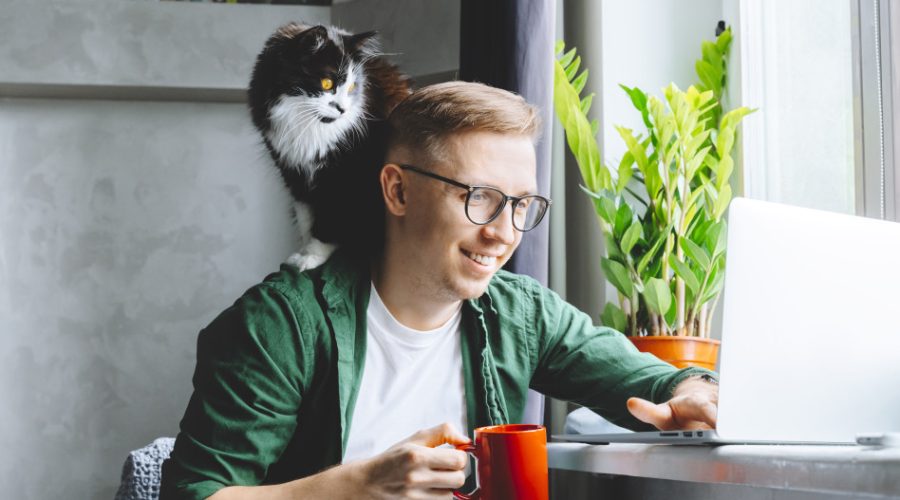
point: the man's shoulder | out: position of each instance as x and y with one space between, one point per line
338 274
291 281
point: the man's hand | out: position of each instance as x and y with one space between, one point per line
694 405
414 468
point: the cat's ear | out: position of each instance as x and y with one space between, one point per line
363 44
313 38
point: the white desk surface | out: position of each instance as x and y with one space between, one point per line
839 469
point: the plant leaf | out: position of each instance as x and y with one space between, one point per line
617 275
711 54
631 236
625 171
566 59
657 296
723 43
684 272
716 238
614 317
716 280
648 257
624 215
695 252
560 45
722 203
572 68
709 79
586 103
612 248
608 211
580 80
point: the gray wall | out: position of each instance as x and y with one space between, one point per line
136 203
126 225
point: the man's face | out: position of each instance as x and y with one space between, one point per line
452 258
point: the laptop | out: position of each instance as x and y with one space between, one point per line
811 331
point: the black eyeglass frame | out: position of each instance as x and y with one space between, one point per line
471 189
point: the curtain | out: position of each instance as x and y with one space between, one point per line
509 44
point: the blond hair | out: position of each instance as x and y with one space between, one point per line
424 120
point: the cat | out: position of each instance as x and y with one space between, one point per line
319 97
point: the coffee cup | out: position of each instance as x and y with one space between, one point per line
511 463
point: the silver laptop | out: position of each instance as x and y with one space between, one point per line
811 331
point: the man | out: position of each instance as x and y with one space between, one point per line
429 339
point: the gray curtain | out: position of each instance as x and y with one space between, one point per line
509 44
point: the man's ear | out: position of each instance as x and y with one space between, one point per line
393 189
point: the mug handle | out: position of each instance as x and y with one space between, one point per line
471 449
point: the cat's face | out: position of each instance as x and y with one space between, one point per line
311 86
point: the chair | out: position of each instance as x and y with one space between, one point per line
142 471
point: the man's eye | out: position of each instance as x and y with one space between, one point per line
327 84
523 204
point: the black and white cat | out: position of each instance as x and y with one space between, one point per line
320 96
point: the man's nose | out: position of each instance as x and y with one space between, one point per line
501 228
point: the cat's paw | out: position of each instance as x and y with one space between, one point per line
305 261
313 254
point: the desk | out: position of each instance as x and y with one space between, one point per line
734 471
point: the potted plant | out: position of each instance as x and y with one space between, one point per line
660 208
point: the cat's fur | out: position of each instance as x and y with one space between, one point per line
328 144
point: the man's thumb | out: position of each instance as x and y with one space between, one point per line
438 435
645 411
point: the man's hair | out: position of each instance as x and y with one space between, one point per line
424 120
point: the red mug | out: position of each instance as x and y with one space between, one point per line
511 463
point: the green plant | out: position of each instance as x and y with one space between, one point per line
660 208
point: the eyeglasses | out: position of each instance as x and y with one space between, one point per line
486 203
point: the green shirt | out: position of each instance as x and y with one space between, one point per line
278 373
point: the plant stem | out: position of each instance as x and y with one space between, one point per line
701 323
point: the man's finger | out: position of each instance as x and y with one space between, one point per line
438 435
692 409
659 416
444 479
446 459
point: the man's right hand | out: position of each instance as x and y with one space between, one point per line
414 468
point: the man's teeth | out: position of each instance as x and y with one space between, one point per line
484 260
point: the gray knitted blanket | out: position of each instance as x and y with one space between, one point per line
142 471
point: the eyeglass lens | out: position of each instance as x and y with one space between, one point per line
484 204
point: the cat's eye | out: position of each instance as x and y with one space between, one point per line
351 87
327 84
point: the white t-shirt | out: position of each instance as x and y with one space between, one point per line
412 381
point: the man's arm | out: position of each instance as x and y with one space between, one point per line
248 386
413 468
596 366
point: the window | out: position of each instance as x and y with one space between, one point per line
820 74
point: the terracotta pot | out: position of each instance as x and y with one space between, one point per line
679 350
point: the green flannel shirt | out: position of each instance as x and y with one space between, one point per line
278 373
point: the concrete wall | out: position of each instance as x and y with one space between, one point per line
126 225
136 203
421 36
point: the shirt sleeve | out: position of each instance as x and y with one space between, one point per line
247 390
596 366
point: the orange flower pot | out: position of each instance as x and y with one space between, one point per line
680 350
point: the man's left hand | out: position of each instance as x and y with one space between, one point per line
694 405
